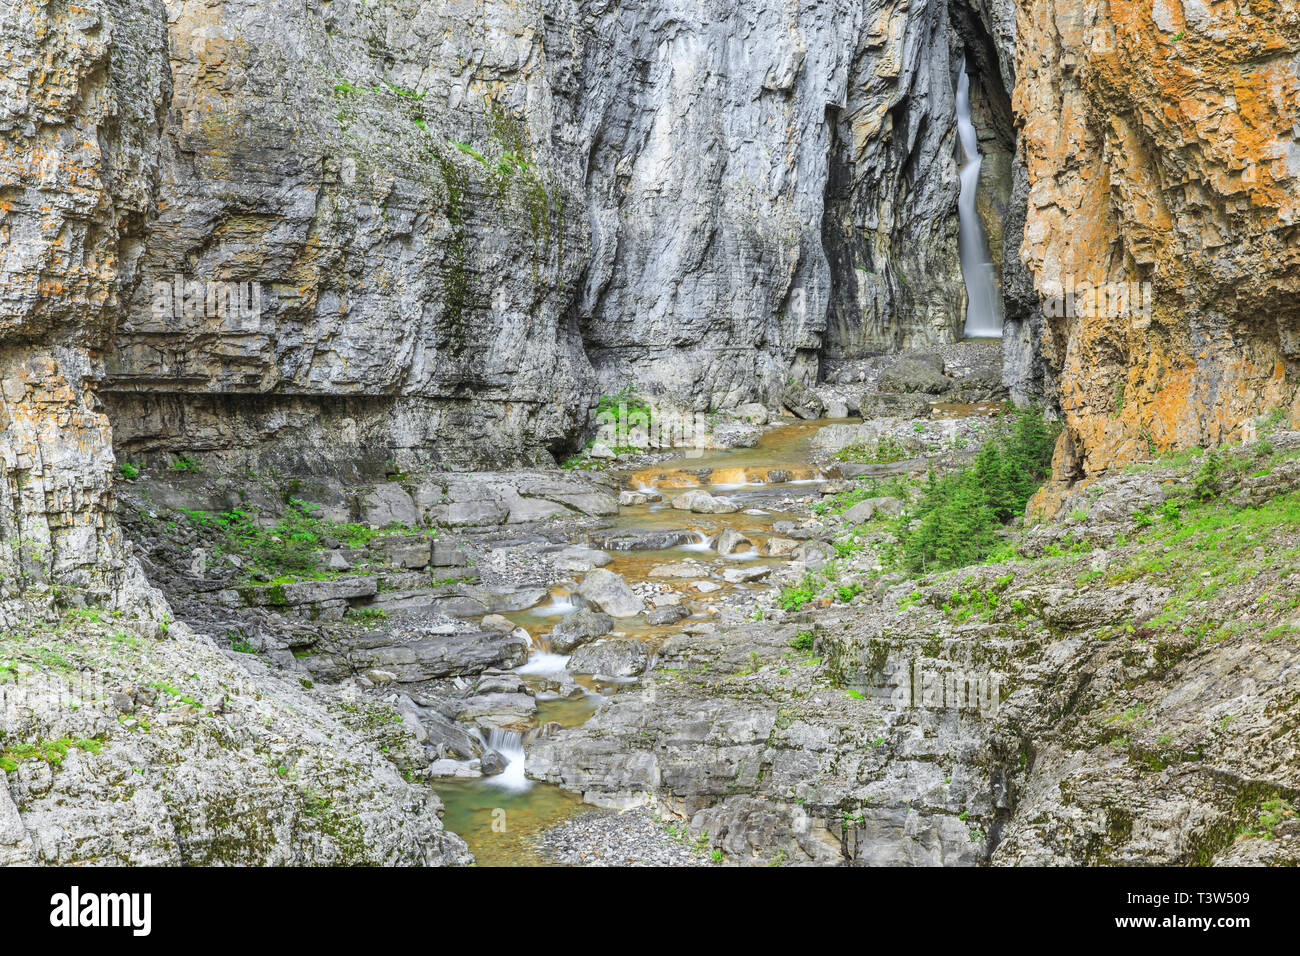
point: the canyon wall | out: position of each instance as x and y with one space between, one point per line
451 227
81 100
399 183
465 223
1162 147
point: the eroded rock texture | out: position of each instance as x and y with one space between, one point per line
763 183
466 222
397 181
80 109
221 762
1161 146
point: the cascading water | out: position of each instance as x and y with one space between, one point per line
510 745
984 305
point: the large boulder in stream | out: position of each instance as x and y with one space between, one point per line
620 657
581 627
731 541
609 592
642 540
701 502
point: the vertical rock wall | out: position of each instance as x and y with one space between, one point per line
1162 145
81 95
397 180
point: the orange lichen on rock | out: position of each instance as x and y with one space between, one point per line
1160 144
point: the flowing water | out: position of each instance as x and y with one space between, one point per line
984 303
500 816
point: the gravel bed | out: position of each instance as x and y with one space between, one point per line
613 838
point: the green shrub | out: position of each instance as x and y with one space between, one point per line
1206 484
128 471
794 597
803 641
956 519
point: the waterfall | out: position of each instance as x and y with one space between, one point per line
510 745
984 305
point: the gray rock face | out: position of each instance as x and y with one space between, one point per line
422 658
237 756
447 264
84 94
772 242
413 229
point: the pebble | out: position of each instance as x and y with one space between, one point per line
614 838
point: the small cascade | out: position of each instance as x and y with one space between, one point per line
510 745
543 664
984 304
702 542
559 605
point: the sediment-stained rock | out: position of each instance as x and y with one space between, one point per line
1160 146
82 99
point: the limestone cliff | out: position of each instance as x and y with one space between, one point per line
1161 147
391 187
83 91
462 224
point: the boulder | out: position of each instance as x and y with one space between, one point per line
438 655
731 541
578 628
668 614
814 553
802 401
641 540
609 592
778 547
495 622
579 559
701 502
492 763
861 512
620 657
498 711
913 373
741 575
893 405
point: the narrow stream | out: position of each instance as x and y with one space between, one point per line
500 816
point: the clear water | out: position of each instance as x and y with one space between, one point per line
500 817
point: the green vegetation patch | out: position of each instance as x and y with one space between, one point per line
956 519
